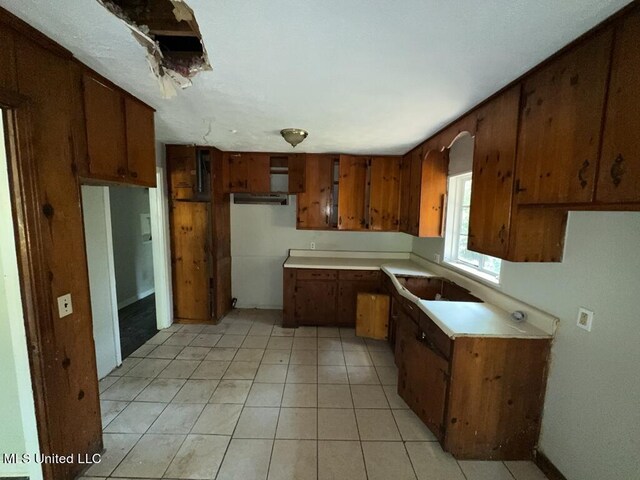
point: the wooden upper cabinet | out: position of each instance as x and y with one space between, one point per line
405 190
120 136
415 192
494 158
297 173
314 205
561 113
432 193
258 168
141 148
352 187
384 197
236 172
619 173
106 131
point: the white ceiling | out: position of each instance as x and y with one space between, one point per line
362 76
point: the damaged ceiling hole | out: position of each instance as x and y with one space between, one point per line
170 33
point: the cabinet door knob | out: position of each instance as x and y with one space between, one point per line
617 170
519 188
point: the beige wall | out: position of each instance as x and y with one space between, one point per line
261 236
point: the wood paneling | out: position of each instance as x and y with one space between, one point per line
561 114
314 205
141 145
495 404
352 187
372 315
384 199
8 78
433 191
62 352
494 159
190 260
221 238
106 131
619 173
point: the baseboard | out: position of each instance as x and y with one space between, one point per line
547 467
139 296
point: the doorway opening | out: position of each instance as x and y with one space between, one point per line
119 240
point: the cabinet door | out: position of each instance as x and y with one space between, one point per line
433 193
406 332
426 383
415 192
560 122
181 170
259 173
352 187
235 172
384 194
315 302
405 190
314 205
619 173
348 298
494 158
190 260
141 143
106 131
297 173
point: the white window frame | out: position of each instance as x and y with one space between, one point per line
452 233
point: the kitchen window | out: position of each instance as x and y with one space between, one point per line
456 236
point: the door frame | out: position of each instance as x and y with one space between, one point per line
26 211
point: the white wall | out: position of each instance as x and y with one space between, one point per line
159 205
591 422
18 431
133 257
261 236
104 305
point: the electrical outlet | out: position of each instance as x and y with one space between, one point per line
312 245
65 307
585 319
436 257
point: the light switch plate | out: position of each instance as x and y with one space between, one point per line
585 319
65 307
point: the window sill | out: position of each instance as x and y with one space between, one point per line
472 272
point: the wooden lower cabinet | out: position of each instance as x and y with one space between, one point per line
325 297
482 397
315 302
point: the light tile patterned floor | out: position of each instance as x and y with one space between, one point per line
248 399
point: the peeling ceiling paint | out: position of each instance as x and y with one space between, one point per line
361 77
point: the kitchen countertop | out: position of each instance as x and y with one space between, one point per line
455 319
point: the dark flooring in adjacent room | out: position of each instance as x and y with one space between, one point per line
137 324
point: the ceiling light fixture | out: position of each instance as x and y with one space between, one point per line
294 135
